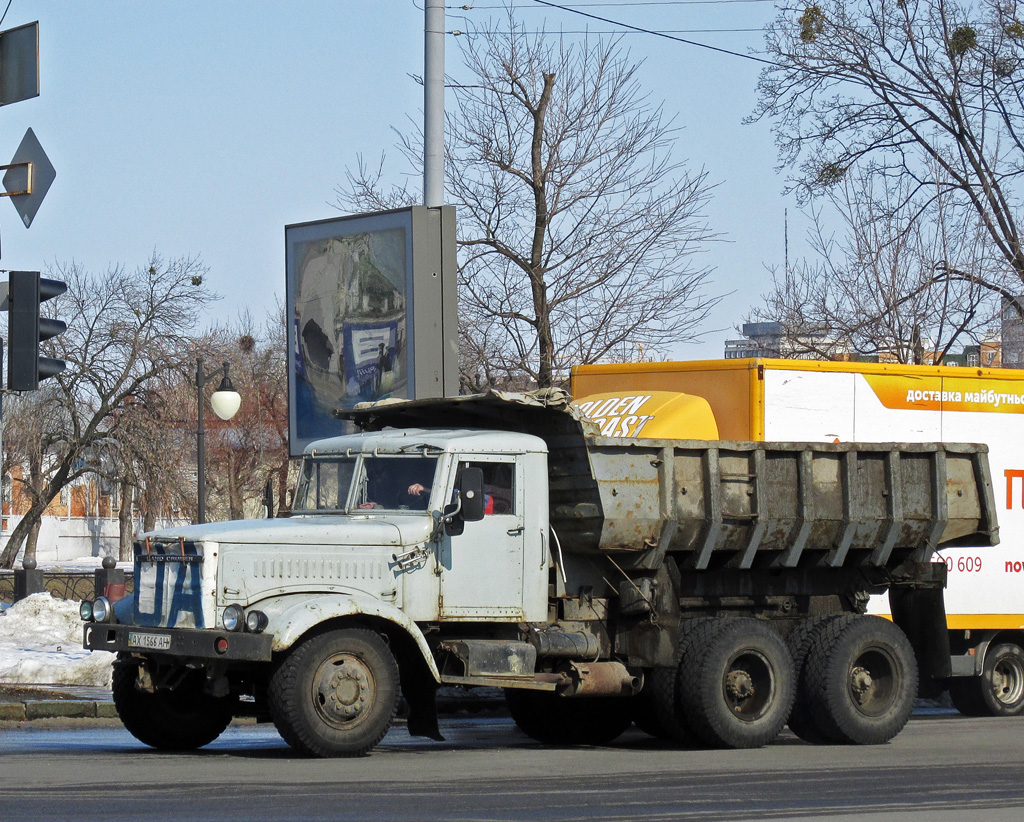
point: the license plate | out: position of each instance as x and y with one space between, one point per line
156 642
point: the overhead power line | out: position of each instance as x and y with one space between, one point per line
471 6
631 31
654 33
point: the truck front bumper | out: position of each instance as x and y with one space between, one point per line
187 643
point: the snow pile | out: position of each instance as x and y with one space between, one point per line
41 644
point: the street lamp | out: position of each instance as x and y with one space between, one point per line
225 402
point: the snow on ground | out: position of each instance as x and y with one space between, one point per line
41 644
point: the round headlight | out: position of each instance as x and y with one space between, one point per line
233 618
255 622
101 609
85 610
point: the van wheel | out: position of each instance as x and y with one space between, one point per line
336 694
556 720
737 690
1003 680
999 691
801 718
861 680
182 719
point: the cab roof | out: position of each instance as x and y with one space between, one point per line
410 440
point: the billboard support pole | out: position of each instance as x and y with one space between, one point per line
433 104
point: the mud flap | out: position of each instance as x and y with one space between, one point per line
921 614
420 696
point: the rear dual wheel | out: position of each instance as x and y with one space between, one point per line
859 682
662 714
801 719
737 691
733 686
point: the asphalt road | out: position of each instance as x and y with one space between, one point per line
940 768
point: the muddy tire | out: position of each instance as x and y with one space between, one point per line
182 719
664 716
645 717
336 694
801 718
667 719
737 690
861 680
555 720
999 691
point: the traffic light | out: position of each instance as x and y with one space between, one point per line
26 329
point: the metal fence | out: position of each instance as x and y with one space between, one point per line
76 585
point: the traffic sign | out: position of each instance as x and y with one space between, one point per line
29 176
19 63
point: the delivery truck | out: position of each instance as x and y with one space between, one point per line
709 591
776 399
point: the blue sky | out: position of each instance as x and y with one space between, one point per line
203 128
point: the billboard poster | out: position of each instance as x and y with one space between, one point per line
349 286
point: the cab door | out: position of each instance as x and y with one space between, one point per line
481 569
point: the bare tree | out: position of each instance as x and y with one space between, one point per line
28 420
251 449
926 91
145 456
577 228
125 328
881 288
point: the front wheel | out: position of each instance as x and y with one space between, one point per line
181 719
336 694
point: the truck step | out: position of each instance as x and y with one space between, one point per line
491 658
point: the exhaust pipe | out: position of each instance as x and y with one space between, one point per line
601 679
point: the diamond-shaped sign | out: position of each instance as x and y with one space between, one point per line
29 176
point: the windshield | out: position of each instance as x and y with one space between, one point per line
365 482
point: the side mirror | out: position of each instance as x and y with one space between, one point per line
452 519
470 484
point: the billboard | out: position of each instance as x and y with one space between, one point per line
371 302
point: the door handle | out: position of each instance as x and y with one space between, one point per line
515 532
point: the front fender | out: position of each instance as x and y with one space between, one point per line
291 616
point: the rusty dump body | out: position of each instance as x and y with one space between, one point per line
740 505
782 505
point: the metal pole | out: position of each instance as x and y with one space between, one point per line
2 444
433 103
200 442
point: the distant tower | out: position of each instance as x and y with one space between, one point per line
785 238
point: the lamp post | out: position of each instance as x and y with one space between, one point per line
225 402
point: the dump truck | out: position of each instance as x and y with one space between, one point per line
709 591
777 399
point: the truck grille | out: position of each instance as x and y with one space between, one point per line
168 584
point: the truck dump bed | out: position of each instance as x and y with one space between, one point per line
733 504
743 504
